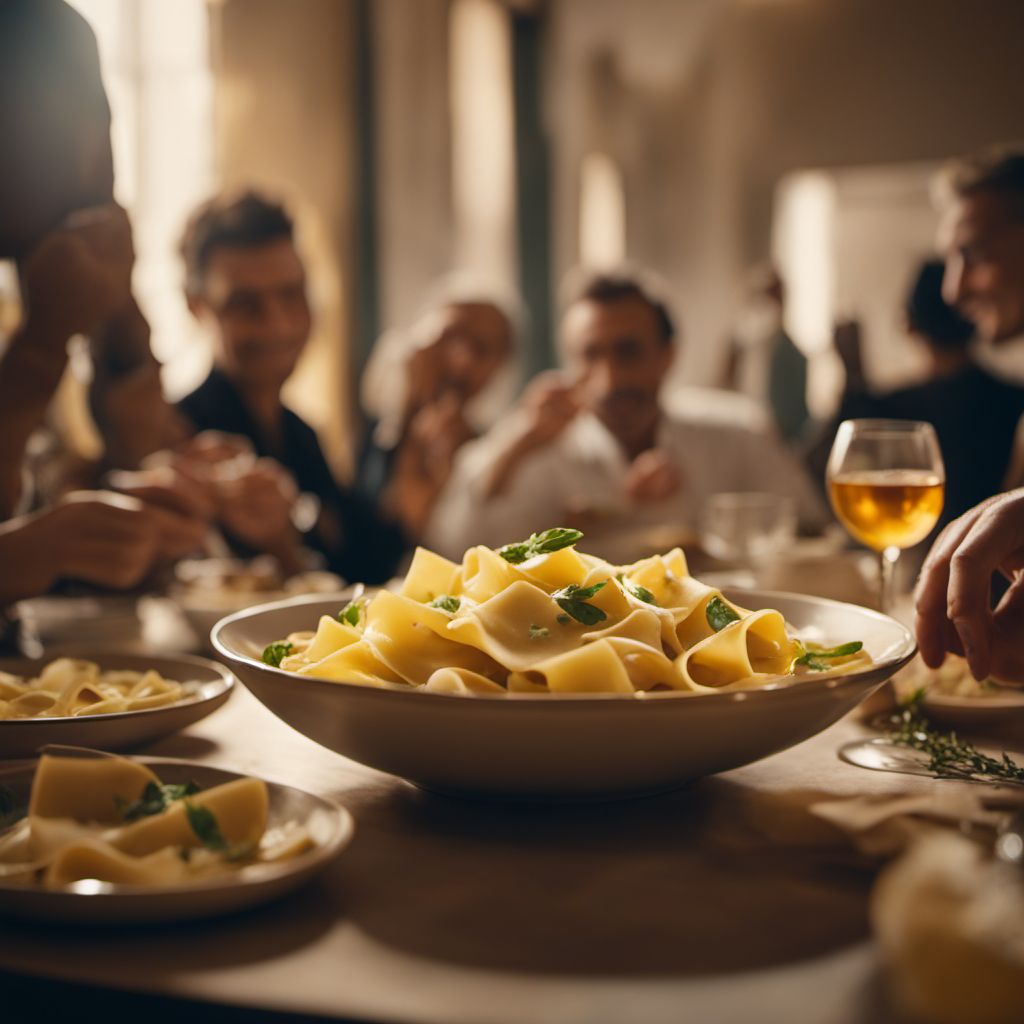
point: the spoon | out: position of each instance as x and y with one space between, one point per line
880 755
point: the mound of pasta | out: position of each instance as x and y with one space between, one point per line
111 819
70 688
541 617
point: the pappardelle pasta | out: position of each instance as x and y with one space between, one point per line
541 617
71 688
111 819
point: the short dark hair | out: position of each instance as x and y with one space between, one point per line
238 221
608 287
929 315
998 170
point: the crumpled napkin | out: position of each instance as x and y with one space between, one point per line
885 825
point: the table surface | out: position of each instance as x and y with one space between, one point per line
725 901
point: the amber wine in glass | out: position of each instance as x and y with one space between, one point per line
887 482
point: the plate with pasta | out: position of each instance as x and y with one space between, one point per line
87 836
537 669
103 699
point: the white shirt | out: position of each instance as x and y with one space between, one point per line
585 469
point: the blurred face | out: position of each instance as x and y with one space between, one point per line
616 353
255 300
474 341
983 242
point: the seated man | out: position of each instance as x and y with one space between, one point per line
595 444
432 389
245 281
975 414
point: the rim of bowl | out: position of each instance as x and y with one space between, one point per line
224 676
905 652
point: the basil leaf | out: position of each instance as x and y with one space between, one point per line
641 593
155 799
818 660
204 824
545 543
719 614
351 613
573 601
538 632
273 654
446 603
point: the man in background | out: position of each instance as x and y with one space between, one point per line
246 284
593 444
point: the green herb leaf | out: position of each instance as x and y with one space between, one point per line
563 619
539 632
351 613
818 659
719 614
641 593
540 544
273 654
948 756
204 824
446 603
573 601
155 799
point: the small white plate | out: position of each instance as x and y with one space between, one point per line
92 902
23 737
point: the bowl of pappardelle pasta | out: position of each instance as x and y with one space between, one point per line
90 837
538 671
102 699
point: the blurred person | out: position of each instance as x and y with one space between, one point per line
56 206
954 607
71 245
982 237
431 390
245 282
975 413
764 361
594 442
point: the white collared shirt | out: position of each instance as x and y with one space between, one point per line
585 469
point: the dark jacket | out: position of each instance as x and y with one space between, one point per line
371 547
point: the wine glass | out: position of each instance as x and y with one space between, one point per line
886 481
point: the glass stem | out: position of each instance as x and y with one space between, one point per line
887 560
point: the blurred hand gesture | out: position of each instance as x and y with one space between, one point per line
653 476
79 275
548 405
256 507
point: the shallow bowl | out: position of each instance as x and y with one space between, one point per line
581 746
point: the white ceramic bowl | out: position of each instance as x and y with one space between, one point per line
124 730
566 746
92 902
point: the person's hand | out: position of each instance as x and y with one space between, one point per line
183 507
652 476
78 275
256 508
425 373
435 434
137 421
97 537
549 404
953 599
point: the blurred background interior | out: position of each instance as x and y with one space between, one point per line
521 138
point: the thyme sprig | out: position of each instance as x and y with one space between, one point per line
949 757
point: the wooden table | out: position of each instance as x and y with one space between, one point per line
726 901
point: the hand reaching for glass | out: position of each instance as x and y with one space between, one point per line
953 601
